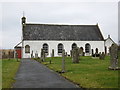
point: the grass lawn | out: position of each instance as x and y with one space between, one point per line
9 69
88 73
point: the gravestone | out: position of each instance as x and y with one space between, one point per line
16 54
96 50
81 51
9 55
42 55
102 56
114 57
66 54
32 54
75 56
36 55
63 61
71 53
52 53
92 52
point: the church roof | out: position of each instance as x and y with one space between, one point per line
62 32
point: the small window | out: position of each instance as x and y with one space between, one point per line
87 48
60 48
27 49
45 47
74 45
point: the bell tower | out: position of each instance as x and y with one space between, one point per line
23 19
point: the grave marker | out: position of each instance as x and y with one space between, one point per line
75 56
114 57
63 61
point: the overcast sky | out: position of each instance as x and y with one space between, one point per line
80 13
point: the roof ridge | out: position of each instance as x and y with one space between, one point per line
61 24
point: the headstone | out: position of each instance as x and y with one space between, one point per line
92 52
101 56
9 55
42 55
114 57
71 53
75 56
36 55
96 50
32 54
66 54
52 53
81 51
63 61
17 56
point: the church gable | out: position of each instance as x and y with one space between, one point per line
62 32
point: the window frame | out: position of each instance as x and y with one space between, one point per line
27 49
60 48
74 45
87 48
45 47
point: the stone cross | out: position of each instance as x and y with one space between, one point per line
114 57
63 61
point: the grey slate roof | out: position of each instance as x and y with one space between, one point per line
62 32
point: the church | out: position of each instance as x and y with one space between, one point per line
59 37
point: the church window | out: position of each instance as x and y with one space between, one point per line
87 48
74 45
60 48
45 47
27 49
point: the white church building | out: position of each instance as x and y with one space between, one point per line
59 37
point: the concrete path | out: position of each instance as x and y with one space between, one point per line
32 74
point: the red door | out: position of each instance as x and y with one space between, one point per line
19 53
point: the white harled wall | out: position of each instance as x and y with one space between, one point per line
37 45
108 44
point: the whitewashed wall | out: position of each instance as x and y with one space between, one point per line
37 45
108 44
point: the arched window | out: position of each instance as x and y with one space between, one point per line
27 49
74 45
60 47
45 47
87 48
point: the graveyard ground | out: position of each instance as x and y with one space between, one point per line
88 73
9 69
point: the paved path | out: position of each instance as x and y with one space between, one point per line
32 74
